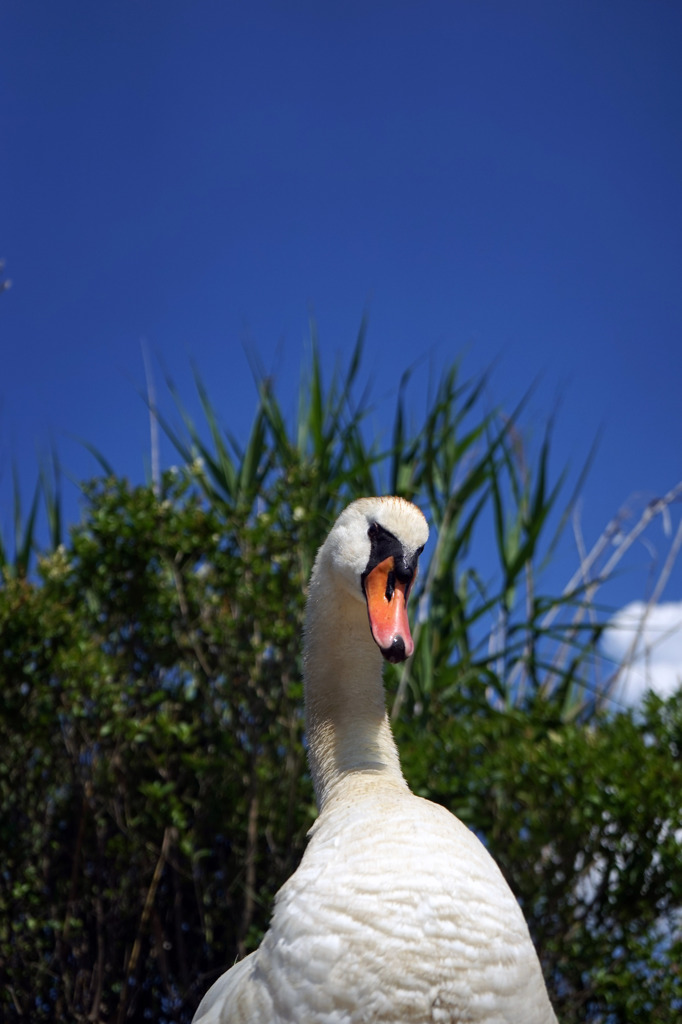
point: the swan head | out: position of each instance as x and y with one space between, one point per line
373 552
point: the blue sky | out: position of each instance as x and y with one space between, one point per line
501 181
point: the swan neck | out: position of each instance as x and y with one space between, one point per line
347 727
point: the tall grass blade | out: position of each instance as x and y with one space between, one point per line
275 421
254 464
103 462
24 531
50 482
222 466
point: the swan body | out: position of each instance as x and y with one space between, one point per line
396 914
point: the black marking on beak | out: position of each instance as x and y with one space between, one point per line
396 652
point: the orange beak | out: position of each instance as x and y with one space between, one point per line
386 599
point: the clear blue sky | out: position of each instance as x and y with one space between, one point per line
497 179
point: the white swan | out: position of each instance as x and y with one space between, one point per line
397 913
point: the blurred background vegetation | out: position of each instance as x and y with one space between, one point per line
153 785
